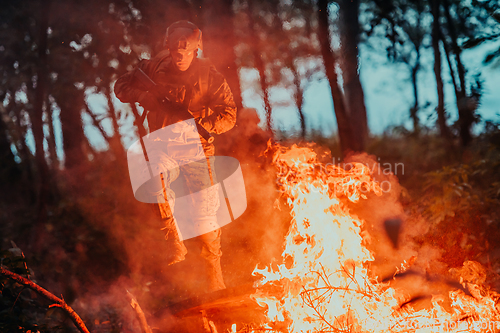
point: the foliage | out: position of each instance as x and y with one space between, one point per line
21 310
459 203
490 33
462 188
75 254
448 191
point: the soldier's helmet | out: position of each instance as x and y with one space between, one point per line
183 36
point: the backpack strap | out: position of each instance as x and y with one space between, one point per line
205 65
204 71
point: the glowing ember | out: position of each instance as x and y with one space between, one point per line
323 284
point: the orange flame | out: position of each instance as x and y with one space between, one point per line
323 284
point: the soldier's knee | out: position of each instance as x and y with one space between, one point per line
211 236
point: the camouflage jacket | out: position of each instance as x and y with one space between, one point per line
211 102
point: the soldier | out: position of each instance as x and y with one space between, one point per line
194 84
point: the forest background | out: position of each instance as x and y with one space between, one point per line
68 216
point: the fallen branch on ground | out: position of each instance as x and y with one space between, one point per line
59 302
208 325
140 314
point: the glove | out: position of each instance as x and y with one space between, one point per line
149 101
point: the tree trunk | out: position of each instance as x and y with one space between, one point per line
36 121
329 60
27 159
353 91
219 42
71 102
414 109
465 111
10 172
260 66
443 128
416 37
299 91
455 48
450 65
7 161
51 139
115 141
299 100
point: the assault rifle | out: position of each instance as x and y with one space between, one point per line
181 112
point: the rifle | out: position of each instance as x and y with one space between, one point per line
181 111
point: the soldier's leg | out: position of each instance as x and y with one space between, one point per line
211 253
205 204
169 171
176 249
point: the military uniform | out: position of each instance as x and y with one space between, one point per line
205 93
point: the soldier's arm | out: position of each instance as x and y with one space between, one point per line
221 108
127 90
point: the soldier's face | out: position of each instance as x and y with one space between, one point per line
182 60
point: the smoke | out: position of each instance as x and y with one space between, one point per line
132 240
260 232
380 214
140 246
126 250
257 236
375 210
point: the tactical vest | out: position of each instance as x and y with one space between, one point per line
196 87
189 88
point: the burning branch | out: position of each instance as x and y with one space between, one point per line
140 314
311 299
324 278
208 325
59 302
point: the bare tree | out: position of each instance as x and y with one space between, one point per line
347 141
257 48
353 91
443 128
466 103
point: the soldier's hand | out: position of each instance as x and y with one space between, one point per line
149 101
178 111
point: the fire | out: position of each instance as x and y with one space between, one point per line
323 284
